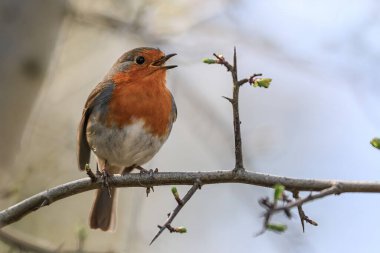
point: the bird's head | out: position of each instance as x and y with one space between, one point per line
140 63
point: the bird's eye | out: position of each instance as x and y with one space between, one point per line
140 60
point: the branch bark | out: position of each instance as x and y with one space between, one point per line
25 207
235 108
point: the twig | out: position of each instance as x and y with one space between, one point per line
249 80
176 196
90 173
301 213
239 166
272 207
181 204
232 68
334 189
19 210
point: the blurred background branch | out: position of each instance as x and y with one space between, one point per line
23 243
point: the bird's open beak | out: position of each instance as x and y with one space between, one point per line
160 62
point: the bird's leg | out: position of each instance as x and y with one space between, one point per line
127 170
142 170
105 176
98 173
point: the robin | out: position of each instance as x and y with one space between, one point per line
125 121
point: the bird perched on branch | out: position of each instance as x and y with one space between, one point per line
125 121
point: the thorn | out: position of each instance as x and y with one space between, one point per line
228 99
262 231
47 201
288 213
147 191
44 203
302 215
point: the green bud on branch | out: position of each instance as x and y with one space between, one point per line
375 142
176 195
261 82
210 61
277 227
278 191
180 230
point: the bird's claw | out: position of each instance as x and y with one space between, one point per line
98 173
148 189
145 171
151 174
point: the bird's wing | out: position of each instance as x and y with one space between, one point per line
174 108
98 97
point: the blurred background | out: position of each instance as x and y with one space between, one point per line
315 120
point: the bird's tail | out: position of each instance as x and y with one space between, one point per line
103 214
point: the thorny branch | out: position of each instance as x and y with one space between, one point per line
334 189
235 109
239 165
301 213
197 185
33 203
272 207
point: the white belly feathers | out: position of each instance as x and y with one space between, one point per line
123 147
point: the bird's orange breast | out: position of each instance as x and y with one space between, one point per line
148 100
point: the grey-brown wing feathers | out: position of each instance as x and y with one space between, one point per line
174 108
97 100
84 150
